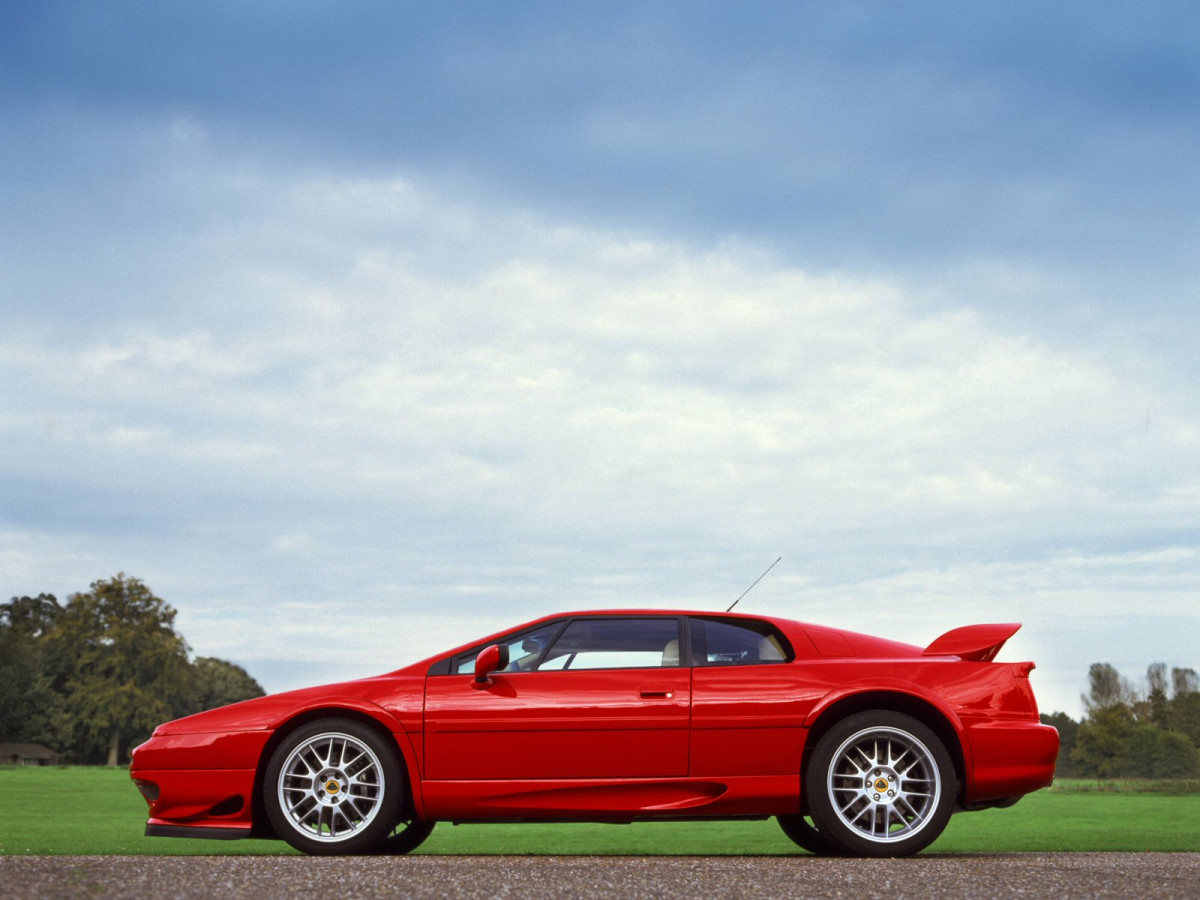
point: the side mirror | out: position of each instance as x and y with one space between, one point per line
490 659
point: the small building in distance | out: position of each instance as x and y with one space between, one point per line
27 755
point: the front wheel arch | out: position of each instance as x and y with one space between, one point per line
334 786
261 824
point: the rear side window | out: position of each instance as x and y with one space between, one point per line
736 642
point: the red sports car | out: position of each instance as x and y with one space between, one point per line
858 745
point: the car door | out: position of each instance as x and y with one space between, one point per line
748 703
583 698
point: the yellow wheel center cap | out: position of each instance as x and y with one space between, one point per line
332 787
881 784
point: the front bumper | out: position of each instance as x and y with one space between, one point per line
199 785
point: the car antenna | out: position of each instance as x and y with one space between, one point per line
756 581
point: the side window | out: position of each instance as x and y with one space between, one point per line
641 643
740 642
523 650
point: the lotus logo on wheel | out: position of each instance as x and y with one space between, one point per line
881 784
332 787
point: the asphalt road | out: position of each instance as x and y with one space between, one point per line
1025 875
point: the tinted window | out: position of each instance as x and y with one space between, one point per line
728 642
615 644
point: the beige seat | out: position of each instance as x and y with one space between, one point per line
670 655
769 649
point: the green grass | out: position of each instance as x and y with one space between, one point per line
1127 786
79 810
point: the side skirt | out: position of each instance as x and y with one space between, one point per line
527 821
208 834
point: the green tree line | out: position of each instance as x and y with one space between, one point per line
1128 731
92 677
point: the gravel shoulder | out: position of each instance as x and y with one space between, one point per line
1100 875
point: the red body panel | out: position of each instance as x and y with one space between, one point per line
678 740
622 723
621 800
749 720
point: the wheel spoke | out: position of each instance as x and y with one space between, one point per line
340 813
912 811
310 761
352 802
862 809
331 786
884 784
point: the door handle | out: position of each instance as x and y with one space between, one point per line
656 692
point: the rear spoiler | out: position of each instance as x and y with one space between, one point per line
978 643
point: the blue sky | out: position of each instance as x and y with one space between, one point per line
357 330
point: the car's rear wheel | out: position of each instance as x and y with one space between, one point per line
805 836
881 783
334 786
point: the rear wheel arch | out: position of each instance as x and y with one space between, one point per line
261 823
921 710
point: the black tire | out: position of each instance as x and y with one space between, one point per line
806 837
880 783
407 837
334 786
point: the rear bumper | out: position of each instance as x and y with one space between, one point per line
1010 759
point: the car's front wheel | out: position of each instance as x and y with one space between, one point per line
334 786
881 783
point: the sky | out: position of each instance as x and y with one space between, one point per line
359 330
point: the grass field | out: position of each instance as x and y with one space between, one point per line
79 810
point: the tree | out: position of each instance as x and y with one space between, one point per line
1184 681
30 710
1156 696
1106 687
1125 736
1100 742
1185 715
121 667
1151 752
1184 709
91 677
216 682
31 617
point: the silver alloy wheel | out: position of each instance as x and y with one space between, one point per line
884 784
331 787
